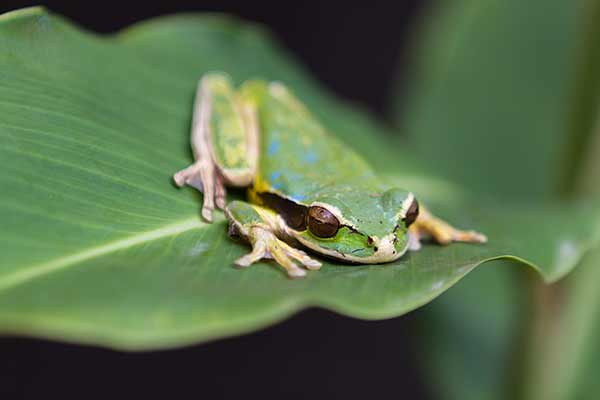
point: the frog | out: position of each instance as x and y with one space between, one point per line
309 195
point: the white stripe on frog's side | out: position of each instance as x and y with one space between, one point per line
386 251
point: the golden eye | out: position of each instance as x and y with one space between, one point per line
412 213
322 223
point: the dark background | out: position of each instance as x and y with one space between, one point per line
358 50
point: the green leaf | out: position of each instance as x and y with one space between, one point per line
99 247
493 88
566 355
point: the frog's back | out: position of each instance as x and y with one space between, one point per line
297 155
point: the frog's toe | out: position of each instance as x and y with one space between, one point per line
414 241
265 245
259 251
220 193
469 237
188 176
445 234
203 176
303 258
283 254
296 273
441 231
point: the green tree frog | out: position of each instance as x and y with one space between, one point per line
306 189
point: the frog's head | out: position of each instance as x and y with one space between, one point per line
358 225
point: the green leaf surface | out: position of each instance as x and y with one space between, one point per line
99 247
493 86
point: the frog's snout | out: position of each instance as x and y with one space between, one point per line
384 249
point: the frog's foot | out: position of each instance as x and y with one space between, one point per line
440 231
266 245
203 176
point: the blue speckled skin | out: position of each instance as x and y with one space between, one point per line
301 161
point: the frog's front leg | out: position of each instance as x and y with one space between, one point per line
224 140
439 230
264 230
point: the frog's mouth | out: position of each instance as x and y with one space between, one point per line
386 251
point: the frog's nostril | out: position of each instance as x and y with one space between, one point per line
370 241
375 249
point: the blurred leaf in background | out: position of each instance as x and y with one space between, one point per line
582 153
467 336
492 88
569 370
568 357
501 86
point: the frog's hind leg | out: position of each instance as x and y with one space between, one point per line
439 230
224 140
264 230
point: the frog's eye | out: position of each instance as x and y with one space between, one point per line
322 223
412 213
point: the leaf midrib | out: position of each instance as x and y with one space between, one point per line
25 274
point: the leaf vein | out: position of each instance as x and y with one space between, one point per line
25 274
